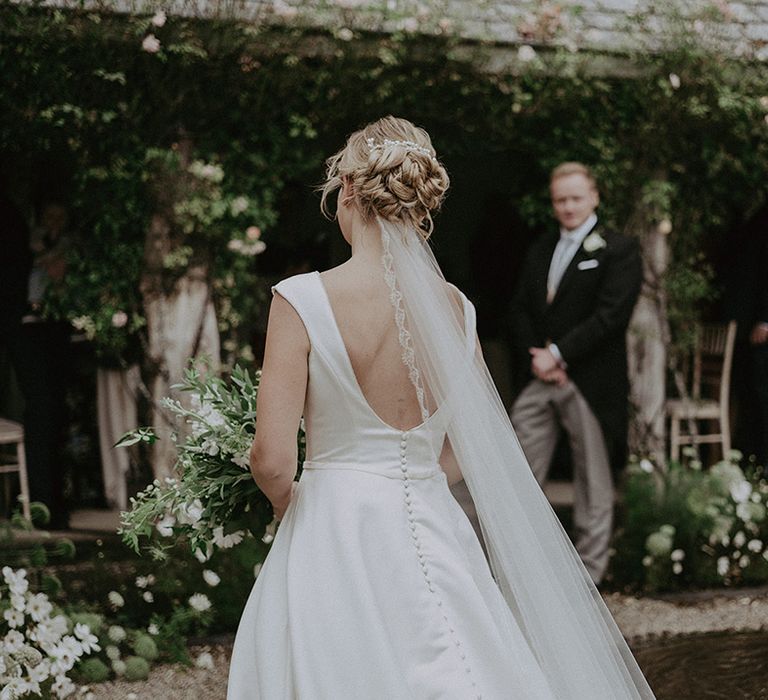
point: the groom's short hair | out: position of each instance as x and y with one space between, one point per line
572 168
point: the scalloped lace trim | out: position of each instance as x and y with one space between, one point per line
404 336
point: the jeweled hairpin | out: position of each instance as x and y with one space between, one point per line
407 145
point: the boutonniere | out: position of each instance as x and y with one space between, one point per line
594 241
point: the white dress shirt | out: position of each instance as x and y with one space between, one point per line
565 249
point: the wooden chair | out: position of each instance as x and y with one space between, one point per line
712 362
12 433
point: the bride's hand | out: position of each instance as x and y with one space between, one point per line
280 506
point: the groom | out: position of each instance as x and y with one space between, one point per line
570 314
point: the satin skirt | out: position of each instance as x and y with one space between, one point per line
376 588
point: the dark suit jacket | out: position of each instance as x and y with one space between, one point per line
587 319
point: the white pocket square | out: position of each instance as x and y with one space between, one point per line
587 264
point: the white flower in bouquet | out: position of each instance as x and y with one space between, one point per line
723 565
153 629
677 568
677 555
165 525
148 597
739 539
18 602
112 652
755 546
744 561
199 602
211 578
141 582
227 541
190 513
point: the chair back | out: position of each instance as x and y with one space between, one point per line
713 361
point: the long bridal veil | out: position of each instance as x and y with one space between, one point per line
550 594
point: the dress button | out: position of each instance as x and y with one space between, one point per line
412 525
403 460
403 443
404 435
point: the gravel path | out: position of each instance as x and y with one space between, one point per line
640 620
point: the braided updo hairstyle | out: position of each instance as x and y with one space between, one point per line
395 182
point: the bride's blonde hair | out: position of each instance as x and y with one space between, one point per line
394 173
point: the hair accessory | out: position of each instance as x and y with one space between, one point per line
407 145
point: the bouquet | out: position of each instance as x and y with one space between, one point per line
212 500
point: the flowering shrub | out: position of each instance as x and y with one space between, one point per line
687 527
213 501
39 646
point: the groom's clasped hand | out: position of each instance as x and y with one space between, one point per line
545 367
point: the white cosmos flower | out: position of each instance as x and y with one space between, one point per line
88 640
227 541
39 607
14 618
200 602
211 577
41 672
13 641
16 580
62 687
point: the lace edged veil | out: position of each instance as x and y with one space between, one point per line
547 588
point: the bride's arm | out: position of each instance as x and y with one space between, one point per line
280 403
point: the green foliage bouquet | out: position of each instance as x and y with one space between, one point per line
212 501
686 527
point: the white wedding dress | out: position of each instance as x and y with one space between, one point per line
376 587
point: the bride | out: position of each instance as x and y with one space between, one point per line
376 587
